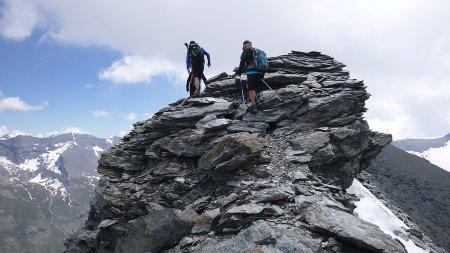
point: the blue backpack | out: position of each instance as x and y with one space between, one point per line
260 60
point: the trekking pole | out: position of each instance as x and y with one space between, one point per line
272 90
242 89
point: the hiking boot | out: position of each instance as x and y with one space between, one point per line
253 109
196 93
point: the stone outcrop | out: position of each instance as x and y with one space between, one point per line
203 175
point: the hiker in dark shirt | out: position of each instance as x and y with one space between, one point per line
195 63
254 75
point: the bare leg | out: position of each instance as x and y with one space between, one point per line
252 96
197 85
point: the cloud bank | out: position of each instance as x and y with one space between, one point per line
400 48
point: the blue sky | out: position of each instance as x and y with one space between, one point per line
98 66
61 85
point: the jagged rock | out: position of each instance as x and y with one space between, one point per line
222 158
106 223
267 182
188 116
322 200
205 221
273 195
211 123
223 202
250 127
311 142
349 228
259 237
299 176
156 231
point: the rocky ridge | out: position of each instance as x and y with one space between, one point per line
204 175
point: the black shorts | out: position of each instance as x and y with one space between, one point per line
197 70
253 81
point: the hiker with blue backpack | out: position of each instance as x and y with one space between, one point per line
255 63
195 63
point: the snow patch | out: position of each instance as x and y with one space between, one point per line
97 150
110 140
29 194
51 185
30 165
92 179
370 209
416 153
437 156
50 158
7 164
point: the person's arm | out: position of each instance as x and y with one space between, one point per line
244 59
188 60
188 82
207 56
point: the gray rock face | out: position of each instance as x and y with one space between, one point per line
248 177
259 237
156 231
232 152
349 228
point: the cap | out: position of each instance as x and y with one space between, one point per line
245 42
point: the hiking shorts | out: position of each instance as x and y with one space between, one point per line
197 70
253 81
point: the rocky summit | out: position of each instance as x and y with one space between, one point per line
205 175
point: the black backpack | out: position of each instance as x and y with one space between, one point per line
196 54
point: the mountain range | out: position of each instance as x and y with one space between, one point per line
45 188
408 176
435 150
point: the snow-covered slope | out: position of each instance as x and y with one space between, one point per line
45 188
435 150
371 209
438 156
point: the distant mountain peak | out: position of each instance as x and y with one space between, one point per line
435 150
51 180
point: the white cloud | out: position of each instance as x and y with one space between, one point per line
122 133
136 69
400 128
400 48
101 113
3 130
15 103
125 132
18 18
11 133
131 116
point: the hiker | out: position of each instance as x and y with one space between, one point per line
254 75
195 63
190 84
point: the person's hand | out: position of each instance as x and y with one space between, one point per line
209 64
189 71
187 88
